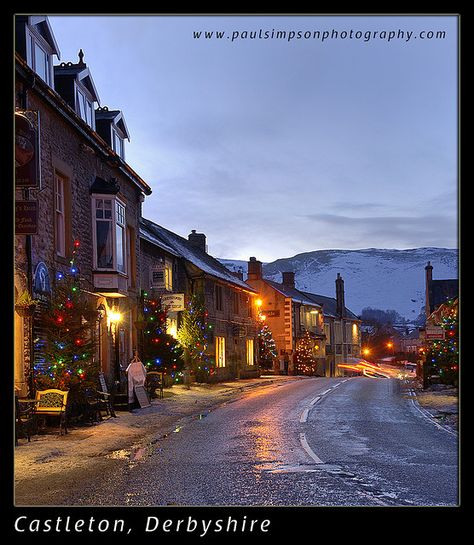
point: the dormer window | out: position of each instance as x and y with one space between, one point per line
84 107
117 143
110 125
37 45
75 85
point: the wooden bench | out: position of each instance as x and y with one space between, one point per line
52 402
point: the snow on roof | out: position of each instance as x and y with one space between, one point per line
329 305
295 294
179 246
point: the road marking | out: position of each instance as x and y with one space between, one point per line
308 449
424 413
304 415
315 400
326 391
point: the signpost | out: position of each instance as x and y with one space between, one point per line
26 217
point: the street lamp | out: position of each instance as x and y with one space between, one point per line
366 351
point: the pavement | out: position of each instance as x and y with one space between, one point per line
50 462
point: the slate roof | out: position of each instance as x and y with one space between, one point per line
295 294
329 305
179 246
441 291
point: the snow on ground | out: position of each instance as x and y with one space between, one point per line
43 465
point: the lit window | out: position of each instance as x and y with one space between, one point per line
220 351
168 276
250 352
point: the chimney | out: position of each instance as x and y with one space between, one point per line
254 269
288 279
340 303
429 278
198 240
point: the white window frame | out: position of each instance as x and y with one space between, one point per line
60 214
115 137
113 220
32 39
220 351
85 110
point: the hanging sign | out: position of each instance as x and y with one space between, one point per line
27 149
26 217
434 333
173 302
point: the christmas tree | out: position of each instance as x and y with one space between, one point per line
160 351
442 356
266 348
306 364
193 337
68 347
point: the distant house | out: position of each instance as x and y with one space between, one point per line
289 314
173 264
342 329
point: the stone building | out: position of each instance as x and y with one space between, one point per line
86 198
175 265
289 313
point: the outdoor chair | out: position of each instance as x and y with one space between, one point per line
52 402
25 422
154 383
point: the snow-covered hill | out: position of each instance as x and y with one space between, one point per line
377 278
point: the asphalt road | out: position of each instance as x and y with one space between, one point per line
318 442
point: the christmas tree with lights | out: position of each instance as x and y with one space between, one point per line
160 351
266 348
305 362
193 337
68 346
442 357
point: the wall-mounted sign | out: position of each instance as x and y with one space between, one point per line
434 333
271 313
27 150
157 276
26 217
173 302
41 281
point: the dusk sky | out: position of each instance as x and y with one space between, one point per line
274 147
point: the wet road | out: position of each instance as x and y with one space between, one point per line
317 441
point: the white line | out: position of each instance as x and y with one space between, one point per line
304 415
308 450
315 400
336 385
326 391
424 413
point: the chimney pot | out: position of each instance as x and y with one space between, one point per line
254 269
198 240
288 279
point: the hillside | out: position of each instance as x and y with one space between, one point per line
377 278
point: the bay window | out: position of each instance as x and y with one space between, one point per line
109 233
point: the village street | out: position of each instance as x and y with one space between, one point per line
289 441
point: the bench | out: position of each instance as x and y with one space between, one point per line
52 402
